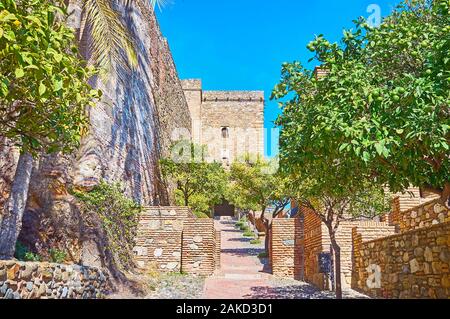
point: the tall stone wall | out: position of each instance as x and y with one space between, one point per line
286 251
414 264
131 129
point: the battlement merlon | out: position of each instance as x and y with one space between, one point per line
237 96
191 84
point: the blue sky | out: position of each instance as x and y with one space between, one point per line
241 44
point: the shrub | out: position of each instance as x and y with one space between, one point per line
201 214
263 255
57 256
249 234
255 242
24 254
244 228
118 215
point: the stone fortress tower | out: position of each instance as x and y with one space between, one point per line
229 123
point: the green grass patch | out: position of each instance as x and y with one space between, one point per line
245 228
255 242
263 255
249 234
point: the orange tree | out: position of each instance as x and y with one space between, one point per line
43 94
380 115
383 107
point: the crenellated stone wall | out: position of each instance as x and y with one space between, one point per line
240 112
27 280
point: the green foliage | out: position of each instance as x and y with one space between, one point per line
200 214
252 182
109 34
239 224
24 254
57 256
118 217
263 255
244 228
199 185
255 242
249 233
43 82
381 112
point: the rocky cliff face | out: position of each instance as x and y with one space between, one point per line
131 128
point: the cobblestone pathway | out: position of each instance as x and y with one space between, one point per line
244 276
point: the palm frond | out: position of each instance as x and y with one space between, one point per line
109 35
160 3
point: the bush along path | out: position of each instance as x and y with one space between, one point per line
244 275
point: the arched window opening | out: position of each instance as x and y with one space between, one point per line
225 132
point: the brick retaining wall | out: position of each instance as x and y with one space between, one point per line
172 239
198 250
285 248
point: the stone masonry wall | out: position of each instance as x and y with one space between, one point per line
368 229
285 248
172 239
414 264
425 215
317 240
159 237
198 252
20 280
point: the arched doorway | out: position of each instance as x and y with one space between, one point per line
224 209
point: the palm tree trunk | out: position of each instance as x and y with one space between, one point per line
11 223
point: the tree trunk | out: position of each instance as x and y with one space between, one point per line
337 263
445 196
267 238
266 224
11 223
